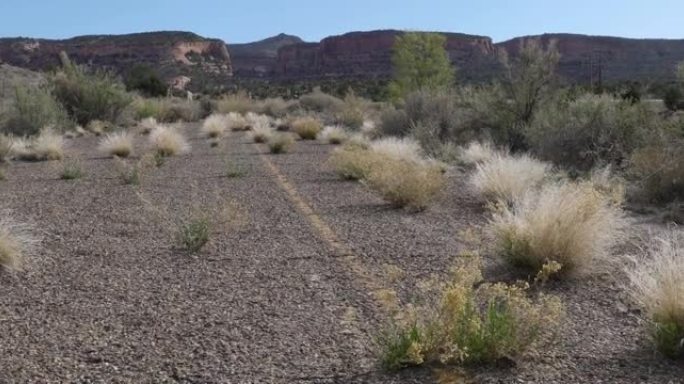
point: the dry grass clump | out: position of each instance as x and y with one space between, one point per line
166 141
405 184
147 124
214 126
571 224
468 322
119 144
256 120
5 148
508 178
334 135
658 285
659 171
307 128
239 103
48 145
16 241
477 153
237 122
280 143
353 162
72 169
398 149
261 133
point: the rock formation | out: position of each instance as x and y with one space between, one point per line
172 54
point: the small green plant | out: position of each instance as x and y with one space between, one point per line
71 170
132 174
234 170
193 233
471 323
159 159
280 143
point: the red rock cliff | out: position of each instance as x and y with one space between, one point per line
173 54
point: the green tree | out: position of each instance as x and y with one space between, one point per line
420 62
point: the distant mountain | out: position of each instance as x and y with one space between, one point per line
355 55
257 59
173 54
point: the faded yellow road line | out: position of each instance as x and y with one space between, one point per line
341 251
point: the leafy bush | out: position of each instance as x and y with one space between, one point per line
307 128
507 178
86 96
119 144
658 169
405 184
34 109
395 122
470 323
145 79
589 131
658 285
571 224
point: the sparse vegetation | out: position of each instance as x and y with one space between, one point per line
119 144
658 285
334 135
193 233
71 169
470 323
572 224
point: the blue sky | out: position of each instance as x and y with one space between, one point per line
249 20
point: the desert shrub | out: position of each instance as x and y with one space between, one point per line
32 110
89 96
658 170
166 141
334 135
71 170
16 240
261 133
307 128
48 145
146 80
405 184
280 143
239 102
589 130
571 224
477 153
119 144
353 162
469 323
320 101
193 233
507 178
673 98
214 126
133 173
352 113
394 122
658 285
